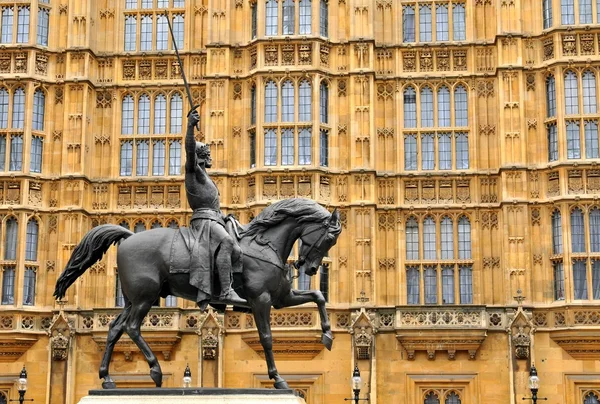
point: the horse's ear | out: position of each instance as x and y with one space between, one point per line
335 217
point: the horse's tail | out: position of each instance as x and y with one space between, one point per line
91 248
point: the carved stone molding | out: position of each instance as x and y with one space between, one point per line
289 345
449 341
580 344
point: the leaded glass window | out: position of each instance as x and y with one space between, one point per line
18 113
589 93
441 22
7 25
429 242
571 94
410 108
42 27
426 107
547 13
146 33
162 33
461 109
141 159
270 102
591 398
287 147
270 147
143 115
16 153
464 239
8 285
324 280
287 101
126 158
412 239
443 107
2 152
447 285
430 283
408 23
585 11
23 25
3 108
445 151
595 230
550 97
425 23
324 19
577 231
324 102
252 141
459 24
324 148
452 398
253 105
29 287
412 285
573 143
447 232
158 157
557 244
254 9
305 102
596 279
130 32
559 281
579 280
462 151
10 243
410 152
466 284
305 17
139 227
567 11
175 157
427 151
127 108
178 30
288 17
31 240
552 142
160 114
176 113
591 139
39 106
36 154
271 20
305 146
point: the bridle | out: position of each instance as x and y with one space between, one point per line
302 258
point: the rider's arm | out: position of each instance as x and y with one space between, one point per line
190 147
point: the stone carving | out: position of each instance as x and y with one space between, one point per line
548 45
426 61
586 44
20 62
485 88
521 329
440 317
460 60
342 87
363 331
305 54
5 62
41 64
553 184
569 47
409 61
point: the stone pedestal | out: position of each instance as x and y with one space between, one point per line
192 396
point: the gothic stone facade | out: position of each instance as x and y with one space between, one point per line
459 139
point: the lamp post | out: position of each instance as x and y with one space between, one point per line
187 377
534 385
356 386
22 386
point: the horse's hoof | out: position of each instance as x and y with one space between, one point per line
109 384
327 340
281 385
156 376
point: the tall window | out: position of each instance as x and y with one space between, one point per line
252 141
443 107
324 149
460 107
324 280
158 157
18 113
324 18
287 101
589 93
287 147
175 157
162 33
559 281
410 108
427 151
254 10
7 25
426 107
42 27
441 22
31 242
552 142
571 94
573 145
464 239
462 151
10 244
429 244
178 30
305 146
141 159
595 230
412 285
176 113
146 33
130 32
3 108
270 147
8 285
324 102
412 239
143 121
408 23
304 104
29 287
288 22
253 105
550 97
126 158
160 114
459 25
466 284
567 11
585 11
271 20
23 25
410 152
139 227
270 101
2 152
447 239
36 154
547 13
39 106
16 153
448 285
577 231
430 284
580 279
591 140
305 17
444 151
425 23
557 245
127 109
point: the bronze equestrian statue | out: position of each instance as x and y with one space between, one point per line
156 263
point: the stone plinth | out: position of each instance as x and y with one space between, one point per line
192 396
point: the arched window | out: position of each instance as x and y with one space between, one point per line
146 33
139 227
160 114
550 96
443 103
31 241
429 243
547 13
287 101
39 105
3 108
591 398
287 147
127 108
130 32
408 23
254 8
425 23
595 230
577 231
305 102
176 113
441 22
155 225
158 157
270 101
18 113
271 20
452 398
324 102
571 94
126 158
124 224
589 93
426 107
253 105
10 244
447 231
431 398
410 108
162 33
23 25
324 18
412 239
270 147
305 17
173 224
567 11
144 115
288 17
460 107
3 398
464 238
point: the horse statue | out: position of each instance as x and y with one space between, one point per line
144 260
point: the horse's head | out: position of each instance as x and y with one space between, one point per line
317 239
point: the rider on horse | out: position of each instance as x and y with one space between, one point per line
213 244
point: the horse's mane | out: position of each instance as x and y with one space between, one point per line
304 210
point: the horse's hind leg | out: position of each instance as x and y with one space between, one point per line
134 322
115 331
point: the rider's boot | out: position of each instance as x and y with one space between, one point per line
228 295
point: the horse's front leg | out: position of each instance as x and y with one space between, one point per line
261 308
297 297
